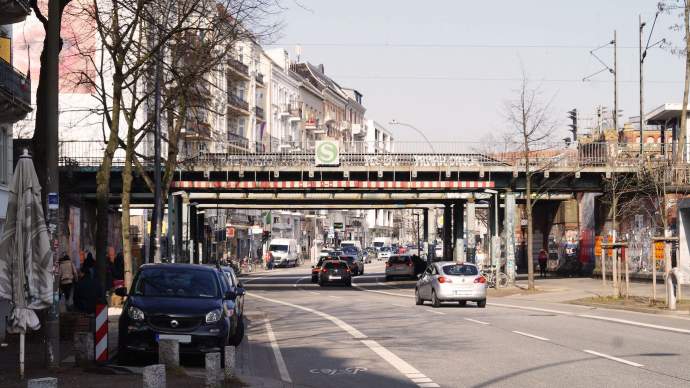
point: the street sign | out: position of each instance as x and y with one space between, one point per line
597 245
659 250
327 153
338 225
53 201
257 230
609 240
230 232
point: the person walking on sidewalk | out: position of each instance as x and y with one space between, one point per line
542 262
68 276
88 292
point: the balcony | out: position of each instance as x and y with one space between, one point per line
237 105
238 70
14 11
198 130
15 93
259 111
236 142
259 79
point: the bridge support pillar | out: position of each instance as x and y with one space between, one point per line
425 235
447 231
458 230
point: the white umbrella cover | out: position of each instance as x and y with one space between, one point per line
26 260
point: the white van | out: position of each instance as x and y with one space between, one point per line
285 252
380 242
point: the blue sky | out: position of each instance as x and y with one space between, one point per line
456 92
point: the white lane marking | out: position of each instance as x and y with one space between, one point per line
423 380
531 335
415 375
388 356
511 306
282 368
476 321
299 280
613 358
428 385
635 323
397 305
315 293
248 280
435 312
335 297
351 330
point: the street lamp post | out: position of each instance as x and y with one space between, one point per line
494 260
396 122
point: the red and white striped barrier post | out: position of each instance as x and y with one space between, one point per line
101 341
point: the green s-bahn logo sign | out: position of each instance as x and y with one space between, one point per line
327 153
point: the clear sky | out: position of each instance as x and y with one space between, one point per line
448 66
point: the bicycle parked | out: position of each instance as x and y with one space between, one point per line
491 278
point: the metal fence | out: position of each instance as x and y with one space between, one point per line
239 152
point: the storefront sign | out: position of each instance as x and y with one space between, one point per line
327 153
659 250
597 245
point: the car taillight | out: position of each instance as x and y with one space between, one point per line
480 279
347 269
324 270
443 279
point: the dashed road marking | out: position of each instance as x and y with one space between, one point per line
612 358
435 312
511 306
531 335
476 321
282 368
299 280
335 297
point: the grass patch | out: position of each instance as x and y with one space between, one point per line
634 303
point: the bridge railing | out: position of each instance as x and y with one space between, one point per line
228 154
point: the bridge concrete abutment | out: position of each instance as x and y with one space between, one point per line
447 231
458 230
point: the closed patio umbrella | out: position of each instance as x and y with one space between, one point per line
26 261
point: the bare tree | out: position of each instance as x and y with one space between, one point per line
529 116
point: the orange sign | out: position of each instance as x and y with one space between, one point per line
597 245
230 232
659 250
609 251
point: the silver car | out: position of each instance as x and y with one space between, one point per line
448 281
400 266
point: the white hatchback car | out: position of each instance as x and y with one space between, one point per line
448 281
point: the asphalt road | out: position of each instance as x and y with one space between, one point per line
373 335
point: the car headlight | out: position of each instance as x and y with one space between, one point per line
214 316
135 314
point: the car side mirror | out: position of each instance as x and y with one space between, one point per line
239 291
240 285
121 292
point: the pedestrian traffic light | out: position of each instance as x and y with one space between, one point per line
572 115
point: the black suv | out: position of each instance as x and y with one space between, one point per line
193 304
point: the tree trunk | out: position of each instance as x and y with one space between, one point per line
528 192
126 196
103 185
614 264
38 142
682 136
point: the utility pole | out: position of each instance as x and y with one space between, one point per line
615 81
52 324
641 89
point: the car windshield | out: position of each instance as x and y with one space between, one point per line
278 248
460 270
399 259
349 259
168 282
350 249
378 244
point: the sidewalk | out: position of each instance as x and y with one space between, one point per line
567 290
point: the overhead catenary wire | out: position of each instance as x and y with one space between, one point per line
482 79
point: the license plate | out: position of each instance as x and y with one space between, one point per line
335 278
461 292
183 339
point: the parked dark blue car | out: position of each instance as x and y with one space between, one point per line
190 303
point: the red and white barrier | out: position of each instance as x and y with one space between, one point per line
101 340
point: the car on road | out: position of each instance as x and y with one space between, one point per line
448 281
384 253
400 266
335 272
235 284
192 304
316 269
355 263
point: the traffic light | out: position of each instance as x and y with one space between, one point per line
572 115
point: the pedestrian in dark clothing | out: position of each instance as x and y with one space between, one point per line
119 271
88 292
542 263
68 277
